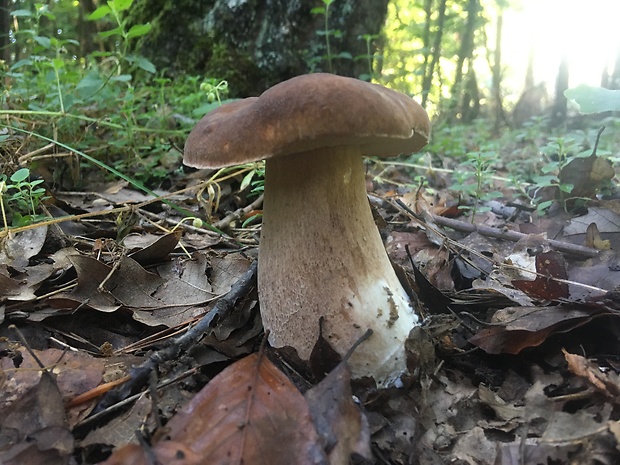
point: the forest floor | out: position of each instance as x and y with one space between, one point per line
126 330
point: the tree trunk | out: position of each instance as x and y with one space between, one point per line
558 111
465 53
614 79
436 53
470 106
5 27
529 73
498 110
426 35
254 44
85 27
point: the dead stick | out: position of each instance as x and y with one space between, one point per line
237 214
505 234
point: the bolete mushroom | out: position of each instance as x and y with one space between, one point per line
320 252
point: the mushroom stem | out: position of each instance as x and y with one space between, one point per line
321 255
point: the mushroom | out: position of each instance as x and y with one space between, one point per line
320 253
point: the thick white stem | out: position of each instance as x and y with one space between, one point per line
321 255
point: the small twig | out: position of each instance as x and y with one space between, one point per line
24 342
598 138
130 399
187 227
361 339
238 214
115 267
26 157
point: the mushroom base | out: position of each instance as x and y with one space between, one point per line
321 255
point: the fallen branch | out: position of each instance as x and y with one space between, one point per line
506 234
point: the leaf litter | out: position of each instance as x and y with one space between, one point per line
517 360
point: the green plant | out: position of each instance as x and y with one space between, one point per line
93 101
116 9
329 34
21 197
326 32
369 56
474 178
557 152
256 179
213 89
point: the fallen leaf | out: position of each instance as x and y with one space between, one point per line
17 249
587 175
550 267
607 383
250 413
341 425
156 249
34 427
528 327
594 240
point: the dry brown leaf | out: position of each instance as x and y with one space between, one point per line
250 413
17 249
342 427
156 249
549 265
167 300
594 239
586 175
607 383
34 427
528 327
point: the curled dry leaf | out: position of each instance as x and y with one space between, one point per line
34 427
341 425
587 175
528 327
607 383
250 413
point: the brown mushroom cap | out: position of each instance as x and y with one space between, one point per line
306 113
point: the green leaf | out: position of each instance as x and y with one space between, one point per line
146 65
21 13
89 84
99 13
319 10
247 179
20 175
47 14
20 63
120 5
43 41
542 206
250 219
117 31
58 63
543 181
138 30
594 99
